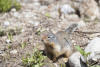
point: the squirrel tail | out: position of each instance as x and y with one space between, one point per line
72 28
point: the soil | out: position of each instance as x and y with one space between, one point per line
32 23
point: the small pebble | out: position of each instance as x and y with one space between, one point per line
28 14
1 52
22 30
13 51
35 23
13 10
6 23
8 41
81 24
16 14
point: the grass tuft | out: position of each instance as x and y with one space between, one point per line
34 60
7 5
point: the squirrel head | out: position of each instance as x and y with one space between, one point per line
49 40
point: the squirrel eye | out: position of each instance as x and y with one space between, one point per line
51 36
48 36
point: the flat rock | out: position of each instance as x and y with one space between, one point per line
74 60
94 48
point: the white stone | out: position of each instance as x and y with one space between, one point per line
74 60
43 8
37 4
54 14
81 24
28 14
13 10
13 51
8 41
6 23
66 9
22 30
94 48
35 23
16 14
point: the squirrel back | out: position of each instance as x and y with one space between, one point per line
64 36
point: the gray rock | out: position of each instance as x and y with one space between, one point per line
76 60
87 8
94 48
67 9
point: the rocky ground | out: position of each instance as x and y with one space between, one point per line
37 18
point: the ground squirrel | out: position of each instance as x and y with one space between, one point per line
59 43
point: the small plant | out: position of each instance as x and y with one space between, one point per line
48 15
18 30
14 31
95 66
23 44
16 5
59 11
9 46
34 60
39 31
10 36
62 65
2 32
85 54
6 5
